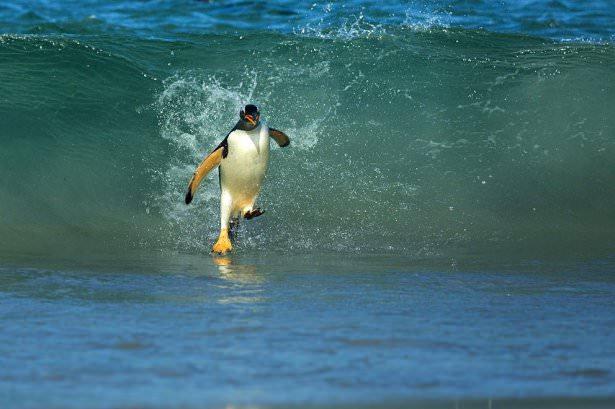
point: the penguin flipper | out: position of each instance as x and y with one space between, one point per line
211 162
280 137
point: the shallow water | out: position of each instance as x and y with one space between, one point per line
189 331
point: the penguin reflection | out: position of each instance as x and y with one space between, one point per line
237 273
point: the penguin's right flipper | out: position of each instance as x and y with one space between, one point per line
211 162
280 137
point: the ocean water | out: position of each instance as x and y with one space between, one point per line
440 233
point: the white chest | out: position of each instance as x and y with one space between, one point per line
246 162
249 145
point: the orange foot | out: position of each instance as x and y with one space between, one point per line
223 245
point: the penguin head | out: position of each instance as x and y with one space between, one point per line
250 116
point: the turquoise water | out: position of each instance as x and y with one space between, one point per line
441 228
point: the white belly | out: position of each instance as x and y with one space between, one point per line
243 170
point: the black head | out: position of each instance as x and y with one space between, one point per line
250 116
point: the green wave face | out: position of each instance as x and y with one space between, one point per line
409 140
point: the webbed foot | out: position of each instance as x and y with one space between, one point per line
223 245
253 213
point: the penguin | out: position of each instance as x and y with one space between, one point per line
242 157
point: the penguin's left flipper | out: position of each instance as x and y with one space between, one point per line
253 213
280 137
211 162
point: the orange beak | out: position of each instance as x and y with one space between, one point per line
250 119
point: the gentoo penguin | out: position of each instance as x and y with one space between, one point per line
242 157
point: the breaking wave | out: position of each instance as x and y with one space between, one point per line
416 138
